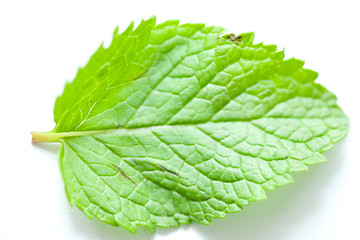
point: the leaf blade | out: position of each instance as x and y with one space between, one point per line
206 127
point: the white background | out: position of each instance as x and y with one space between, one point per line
42 44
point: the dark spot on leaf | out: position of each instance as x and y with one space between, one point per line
142 74
233 38
123 173
168 170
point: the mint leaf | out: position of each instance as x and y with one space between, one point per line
172 124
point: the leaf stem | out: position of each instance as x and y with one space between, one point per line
38 137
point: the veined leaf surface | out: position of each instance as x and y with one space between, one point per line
178 123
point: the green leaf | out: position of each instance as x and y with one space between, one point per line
172 124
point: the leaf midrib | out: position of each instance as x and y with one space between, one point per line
59 136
